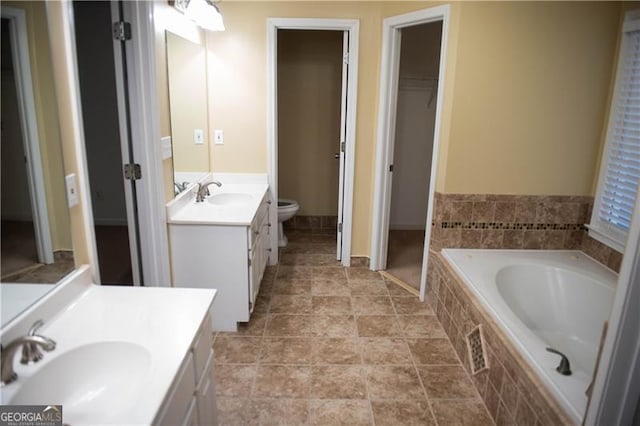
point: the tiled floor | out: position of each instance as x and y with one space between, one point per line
332 345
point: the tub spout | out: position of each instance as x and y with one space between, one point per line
564 367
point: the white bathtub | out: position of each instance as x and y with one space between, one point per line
541 299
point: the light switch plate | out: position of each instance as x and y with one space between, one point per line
72 189
198 136
218 137
167 151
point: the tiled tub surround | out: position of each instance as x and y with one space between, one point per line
510 389
333 345
498 221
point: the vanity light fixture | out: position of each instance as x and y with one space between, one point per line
203 12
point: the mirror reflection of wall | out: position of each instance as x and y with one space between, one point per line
187 77
36 247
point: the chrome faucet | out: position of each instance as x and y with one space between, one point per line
203 190
30 351
31 341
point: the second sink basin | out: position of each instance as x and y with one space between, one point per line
93 382
229 198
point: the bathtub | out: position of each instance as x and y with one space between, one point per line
540 299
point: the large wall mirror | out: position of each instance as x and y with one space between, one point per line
36 250
187 79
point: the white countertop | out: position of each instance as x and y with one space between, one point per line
164 321
184 210
17 297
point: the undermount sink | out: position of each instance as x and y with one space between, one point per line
229 198
92 381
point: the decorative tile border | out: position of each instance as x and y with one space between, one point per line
531 222
510 388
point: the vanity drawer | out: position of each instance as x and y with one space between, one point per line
191 419
181 394
205 395
202 348
260 221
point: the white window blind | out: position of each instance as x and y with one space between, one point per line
620 167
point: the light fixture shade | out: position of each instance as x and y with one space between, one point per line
205 14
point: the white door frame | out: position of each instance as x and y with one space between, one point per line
390 62
29 126
353 26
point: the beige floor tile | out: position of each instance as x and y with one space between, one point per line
396 290
290 304
325 260
368 288
432 351
411 306
341 412
235 380
329 239
331 305
263 302
286 350
296 259
281 411
385 351
336 351
236 350
329 272
235 411
461 412
396 413
446 382
394 382
372 305
292 287
359 273
288 325
279 381
338 382
378 326
255 326
286 272
329 287
333 326
421 326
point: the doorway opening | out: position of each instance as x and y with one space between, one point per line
413 148
115 233
345 155
411 85
310 67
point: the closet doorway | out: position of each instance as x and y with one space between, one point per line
408 135
343 43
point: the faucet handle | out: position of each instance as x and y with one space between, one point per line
30 351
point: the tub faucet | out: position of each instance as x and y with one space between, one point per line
564 367
203 190
8 353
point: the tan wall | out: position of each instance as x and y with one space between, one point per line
531 90
47 121
186 64
309 94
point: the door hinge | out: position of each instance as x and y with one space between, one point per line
345 58
249 262
121 31
390 167
339 227
132 171
343 145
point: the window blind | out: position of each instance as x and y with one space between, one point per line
620 170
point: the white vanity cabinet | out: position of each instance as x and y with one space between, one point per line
191 399
229 257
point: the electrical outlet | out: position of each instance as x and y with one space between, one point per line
198 136
218 137
72 190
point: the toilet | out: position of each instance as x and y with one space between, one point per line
286 210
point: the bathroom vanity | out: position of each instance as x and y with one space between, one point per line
222 243
123 355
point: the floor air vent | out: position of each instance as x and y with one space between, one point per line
475 345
